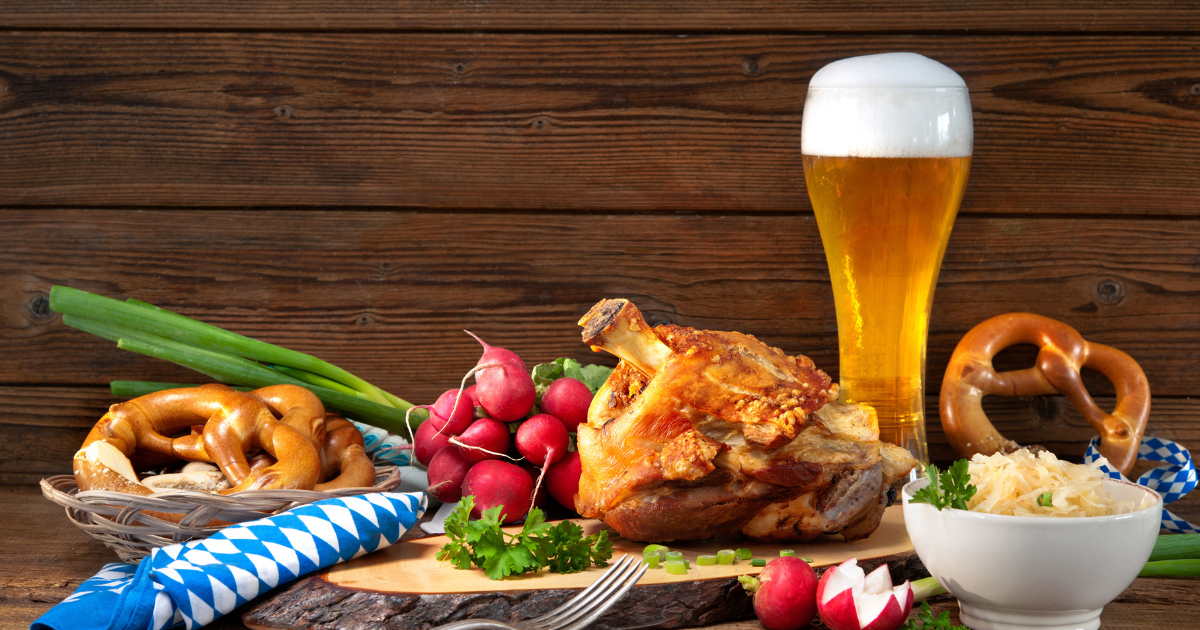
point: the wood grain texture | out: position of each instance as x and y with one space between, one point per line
386 295
583 15
1064 125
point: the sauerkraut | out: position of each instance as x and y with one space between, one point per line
1011 484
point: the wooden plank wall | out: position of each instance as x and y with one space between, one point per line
363 183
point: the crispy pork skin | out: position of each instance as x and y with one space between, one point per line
699 433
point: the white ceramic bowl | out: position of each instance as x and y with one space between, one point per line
1013 572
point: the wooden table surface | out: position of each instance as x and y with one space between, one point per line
43 559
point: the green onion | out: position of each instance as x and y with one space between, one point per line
925 588
787 553
134 389
140 317
673 555
743 554
706 560
726 556
651 550
651 560
676 567
1172 568
758 562
1045 499
239 371
808 560
316 379
1176 547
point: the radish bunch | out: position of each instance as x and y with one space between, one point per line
491 441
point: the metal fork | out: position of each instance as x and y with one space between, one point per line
579 611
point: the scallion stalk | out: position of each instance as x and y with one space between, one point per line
133 389
147 318
1172 568
238 371
925 588
317 379
1176 547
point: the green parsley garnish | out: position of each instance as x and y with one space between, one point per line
1046 499
949 489
926 621
562 548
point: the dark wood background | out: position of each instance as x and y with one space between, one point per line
363 181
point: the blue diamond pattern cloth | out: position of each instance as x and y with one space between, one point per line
385 447
196 582
1172 481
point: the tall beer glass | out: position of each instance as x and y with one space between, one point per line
887 145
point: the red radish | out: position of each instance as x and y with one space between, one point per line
471 395
495 483
446 473
452 413
542 439
784 593
505 389
484 439
493 354
540 499
848 600
568 400
427 442
562 480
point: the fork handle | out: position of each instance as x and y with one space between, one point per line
476 624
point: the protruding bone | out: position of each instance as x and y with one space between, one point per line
617 327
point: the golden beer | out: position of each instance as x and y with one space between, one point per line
886 143
884 223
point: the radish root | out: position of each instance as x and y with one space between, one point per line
454 440
463 385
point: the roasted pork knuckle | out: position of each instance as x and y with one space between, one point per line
698 433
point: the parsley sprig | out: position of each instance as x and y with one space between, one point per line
562 547
948 489
926 621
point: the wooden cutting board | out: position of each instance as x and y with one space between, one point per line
405 585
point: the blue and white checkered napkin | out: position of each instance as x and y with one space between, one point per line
196 582
1172 481
386 447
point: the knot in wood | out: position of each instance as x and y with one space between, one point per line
1110 292
39 307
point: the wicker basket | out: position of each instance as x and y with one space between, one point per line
116 519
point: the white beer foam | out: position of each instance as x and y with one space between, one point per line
889 105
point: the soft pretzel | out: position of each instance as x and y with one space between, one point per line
233 423
140 424
293 405
1062 353
296 407
345 452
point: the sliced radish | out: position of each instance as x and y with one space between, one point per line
847 599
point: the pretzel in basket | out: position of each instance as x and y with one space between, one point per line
344 453
234 424
1062 353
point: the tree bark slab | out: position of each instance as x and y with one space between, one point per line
318 604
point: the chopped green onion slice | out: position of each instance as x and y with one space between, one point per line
651 550
652 561
808 560
706 561
1046 499
744 554
676 567
758 562
787 553
674 555
726 556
